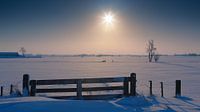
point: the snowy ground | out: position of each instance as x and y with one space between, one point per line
130 104
167 70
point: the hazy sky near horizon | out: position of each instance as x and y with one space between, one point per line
75 26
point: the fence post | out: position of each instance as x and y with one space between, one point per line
150 88
161 85
178 88
25 86
1 90
79 89
133 84
126 88
11 89
33 87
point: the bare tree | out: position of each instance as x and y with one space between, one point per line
23 51
150 50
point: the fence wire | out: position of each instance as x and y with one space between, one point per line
143 87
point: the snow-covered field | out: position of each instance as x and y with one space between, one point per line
168 69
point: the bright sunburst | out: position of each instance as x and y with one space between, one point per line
108 19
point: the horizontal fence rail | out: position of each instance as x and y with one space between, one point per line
75 89
127 85
74 81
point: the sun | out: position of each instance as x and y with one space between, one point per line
108 19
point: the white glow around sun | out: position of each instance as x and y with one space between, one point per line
108 19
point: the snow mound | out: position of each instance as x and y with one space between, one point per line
42 104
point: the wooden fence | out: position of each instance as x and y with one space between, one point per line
127 85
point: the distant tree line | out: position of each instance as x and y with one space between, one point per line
187 54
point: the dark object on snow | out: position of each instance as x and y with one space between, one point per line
11 89
103 61
133 84
178 88
1 90
150 88
25 85
161 90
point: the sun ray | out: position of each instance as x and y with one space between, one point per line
108 19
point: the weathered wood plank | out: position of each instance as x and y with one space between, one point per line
103 88
84 80
126 86
161 90
33 87
55 90
79 89
1 90
178 88
25 86
133 84
150 88
11 89
103 80
56 81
